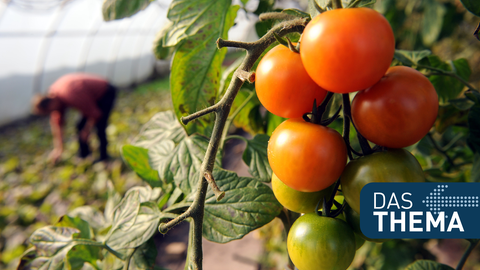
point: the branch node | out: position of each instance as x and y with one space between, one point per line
245 75
221 43
218 193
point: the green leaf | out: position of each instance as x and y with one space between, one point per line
144 256
256 158
249 118
462 104
118 9
427 265
196 67
296 12
473 6
159 49
137 231
475 174
81 255
78 223
264 6
137 158
124 215
248 204
181 164
163 126
91 215
272 122
411 58
432 21
448 87
52 244
190 18
473 138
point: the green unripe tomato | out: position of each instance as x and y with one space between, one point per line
393 165
316 242
297 201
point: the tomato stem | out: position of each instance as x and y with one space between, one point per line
347 112
317 112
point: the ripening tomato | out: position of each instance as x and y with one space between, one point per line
397 111
297 201
394 165
316 242
305 156
347 50
283 86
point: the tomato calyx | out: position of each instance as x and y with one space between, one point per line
327 205
285 41
315 117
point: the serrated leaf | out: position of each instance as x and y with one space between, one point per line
256 158
161 51
144 225
52 245
248 204
86 231
146 194
119 9
163 126
124 217
432 21
184 161
196 68
448 87
411 58
190 18
473 138
473 6
91 215
249 118
137 158
427 265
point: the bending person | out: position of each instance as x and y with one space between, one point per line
93 96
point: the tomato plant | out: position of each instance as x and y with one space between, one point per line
317 242
397 111
283 86
394 165
305 156
297 201
347 50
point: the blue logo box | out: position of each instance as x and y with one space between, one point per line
420 210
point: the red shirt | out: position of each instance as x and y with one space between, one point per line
80 91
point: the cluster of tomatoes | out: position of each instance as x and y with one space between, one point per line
341 51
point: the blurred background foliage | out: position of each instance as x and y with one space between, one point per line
34 194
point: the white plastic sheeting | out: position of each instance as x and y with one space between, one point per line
41 40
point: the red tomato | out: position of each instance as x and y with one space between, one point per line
347 50
283 86
397 111
305 156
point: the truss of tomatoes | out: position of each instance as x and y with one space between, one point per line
341 51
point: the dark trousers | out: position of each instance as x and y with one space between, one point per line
105 104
